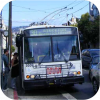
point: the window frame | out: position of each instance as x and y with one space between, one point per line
51 36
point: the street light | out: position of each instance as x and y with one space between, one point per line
6 35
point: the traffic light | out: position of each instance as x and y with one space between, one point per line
18 40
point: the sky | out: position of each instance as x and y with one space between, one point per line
25 12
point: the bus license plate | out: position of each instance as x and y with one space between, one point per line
55 70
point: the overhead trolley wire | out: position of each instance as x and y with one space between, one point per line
39 10
53 19
58 13
71 13
65 9
30 8
79 9
61 9
63 6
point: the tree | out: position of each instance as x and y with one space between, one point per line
83 24
12 48
94 30
89 29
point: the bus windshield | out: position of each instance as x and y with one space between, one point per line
65 47
47 49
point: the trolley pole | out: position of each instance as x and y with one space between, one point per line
67 19
10 31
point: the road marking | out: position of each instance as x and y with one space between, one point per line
67 95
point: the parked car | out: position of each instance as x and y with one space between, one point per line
94 73
87 56
94 62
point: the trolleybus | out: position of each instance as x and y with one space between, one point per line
49 56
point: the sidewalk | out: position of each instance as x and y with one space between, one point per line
12 94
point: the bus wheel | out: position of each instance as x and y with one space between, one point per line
95 86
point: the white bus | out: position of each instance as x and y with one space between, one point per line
49 56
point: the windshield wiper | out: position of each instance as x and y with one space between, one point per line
71 65
45 55
61 53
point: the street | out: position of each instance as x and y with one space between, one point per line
78 91
48 44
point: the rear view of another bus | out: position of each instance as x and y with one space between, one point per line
49 56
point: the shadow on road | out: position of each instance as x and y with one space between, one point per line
49 91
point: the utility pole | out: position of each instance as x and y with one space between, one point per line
0 40
10 31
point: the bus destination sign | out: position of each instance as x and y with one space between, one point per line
51 31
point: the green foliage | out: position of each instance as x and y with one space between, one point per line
90 29
12 48
83 23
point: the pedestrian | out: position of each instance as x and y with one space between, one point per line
5 70
14 70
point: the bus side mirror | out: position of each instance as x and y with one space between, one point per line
18 41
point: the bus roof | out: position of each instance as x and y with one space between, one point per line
46 26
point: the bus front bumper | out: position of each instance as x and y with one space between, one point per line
30 84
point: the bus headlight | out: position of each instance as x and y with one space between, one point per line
75 73
35 76
72 73
32 76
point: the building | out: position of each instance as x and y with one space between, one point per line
93 11
72 21
4 40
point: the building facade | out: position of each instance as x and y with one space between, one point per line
4 41
93 11
72 21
